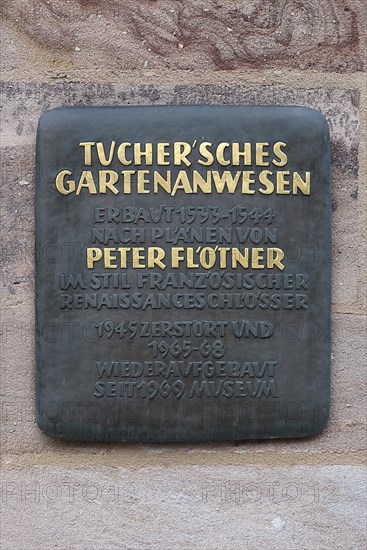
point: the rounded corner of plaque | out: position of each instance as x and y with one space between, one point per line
49 113
321 426
44 426
318 117
48 117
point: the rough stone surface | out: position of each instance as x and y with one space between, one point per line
186 34
185 507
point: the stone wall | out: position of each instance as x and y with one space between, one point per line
286 494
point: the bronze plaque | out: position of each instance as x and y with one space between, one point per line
183 273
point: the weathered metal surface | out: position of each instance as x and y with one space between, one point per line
183 273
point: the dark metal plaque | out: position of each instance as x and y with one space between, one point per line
183 273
